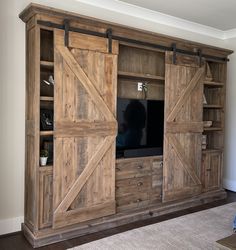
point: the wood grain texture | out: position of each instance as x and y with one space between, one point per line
80 129
183 130
32 127
85 129
138 183
212 170
45 194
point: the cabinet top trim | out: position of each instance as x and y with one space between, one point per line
56 15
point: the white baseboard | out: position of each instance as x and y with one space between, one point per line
229 185
11 225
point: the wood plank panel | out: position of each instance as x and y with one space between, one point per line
85 129
45 194
183 129
87 42
70 129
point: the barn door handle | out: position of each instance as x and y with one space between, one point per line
161 164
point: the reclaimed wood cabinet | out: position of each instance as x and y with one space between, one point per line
76 68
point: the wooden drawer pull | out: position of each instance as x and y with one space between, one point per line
140 183
140 167
208 169
138 200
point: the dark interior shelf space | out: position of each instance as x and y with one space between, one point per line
46 45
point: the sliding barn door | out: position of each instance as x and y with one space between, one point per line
183 127
85 129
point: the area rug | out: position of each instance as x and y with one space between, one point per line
199 230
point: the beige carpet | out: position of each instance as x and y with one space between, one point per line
199 230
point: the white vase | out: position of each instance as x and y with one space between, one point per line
43 161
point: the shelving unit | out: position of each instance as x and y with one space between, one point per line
132 75
143 176
46 134
132 70
85 186
214 92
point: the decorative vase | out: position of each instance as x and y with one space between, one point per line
43 161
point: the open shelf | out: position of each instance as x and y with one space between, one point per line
46 45
47 98
211 84
133 75
212 150
45 133
212 106
47 64
45 168
212 129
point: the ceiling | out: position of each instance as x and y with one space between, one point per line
217 14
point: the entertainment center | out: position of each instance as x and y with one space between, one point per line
133 123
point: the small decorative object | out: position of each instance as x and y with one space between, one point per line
207 124
145 89
46 119
43 157
48 145
208 73
50 80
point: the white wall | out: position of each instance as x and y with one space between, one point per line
229 180
12 96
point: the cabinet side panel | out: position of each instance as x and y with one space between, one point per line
32 127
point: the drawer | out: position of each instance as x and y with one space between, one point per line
133 186
132 201
157 167
156 190
126 169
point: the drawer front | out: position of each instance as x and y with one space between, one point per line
132 169
157 167
133 186
132 201
156 189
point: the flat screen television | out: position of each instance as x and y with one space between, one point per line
140 128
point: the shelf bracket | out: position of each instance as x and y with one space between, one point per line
67 28
109 36
174 53
200 57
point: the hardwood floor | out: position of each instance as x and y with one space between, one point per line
16 241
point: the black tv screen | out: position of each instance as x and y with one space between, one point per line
140 127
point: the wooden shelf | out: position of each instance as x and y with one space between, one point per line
47 98
214 84
212 106
45 168
211 150
47 64
50 132
212 129
133 75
